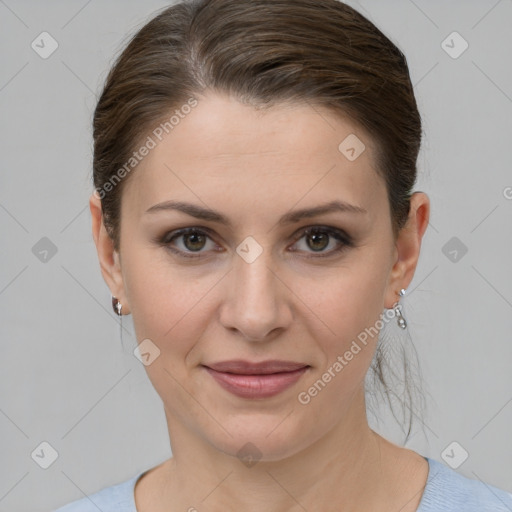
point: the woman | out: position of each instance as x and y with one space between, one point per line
254 165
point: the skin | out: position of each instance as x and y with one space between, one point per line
253 166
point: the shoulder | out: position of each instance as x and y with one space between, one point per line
117 498
447 491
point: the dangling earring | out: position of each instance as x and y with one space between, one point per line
400 318
117 306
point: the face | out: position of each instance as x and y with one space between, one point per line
254 282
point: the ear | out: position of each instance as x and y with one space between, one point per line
407 247
108 257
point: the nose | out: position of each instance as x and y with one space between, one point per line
256 302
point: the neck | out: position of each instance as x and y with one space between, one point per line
343 467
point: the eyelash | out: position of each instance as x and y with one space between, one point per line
345 240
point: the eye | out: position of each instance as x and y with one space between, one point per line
193 241
318 238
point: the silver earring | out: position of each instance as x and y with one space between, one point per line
117 306
400 318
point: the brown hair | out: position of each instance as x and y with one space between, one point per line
263 52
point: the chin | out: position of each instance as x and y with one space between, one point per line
268 438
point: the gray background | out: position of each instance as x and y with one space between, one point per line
65 377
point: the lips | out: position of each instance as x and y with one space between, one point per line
256 379
241 367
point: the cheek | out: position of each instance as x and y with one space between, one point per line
353 311
348 301
170 307
166 308
351 304
158 293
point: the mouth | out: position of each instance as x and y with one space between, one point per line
256 380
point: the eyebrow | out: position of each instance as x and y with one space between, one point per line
288 218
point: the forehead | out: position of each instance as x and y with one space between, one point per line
289 152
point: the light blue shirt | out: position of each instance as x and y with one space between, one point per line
445 491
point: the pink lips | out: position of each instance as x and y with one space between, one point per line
256 380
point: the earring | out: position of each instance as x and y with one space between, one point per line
117 306
400 318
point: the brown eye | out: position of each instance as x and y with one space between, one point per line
318 241
319 238
193 241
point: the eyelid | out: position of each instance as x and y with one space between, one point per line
331 230
166 240
338 234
